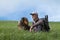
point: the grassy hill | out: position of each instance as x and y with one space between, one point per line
9 31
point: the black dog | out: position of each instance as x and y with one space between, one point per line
24 24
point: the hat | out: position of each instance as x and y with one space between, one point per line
34 13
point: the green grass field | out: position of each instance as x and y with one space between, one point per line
9 31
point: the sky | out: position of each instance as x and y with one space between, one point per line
16 9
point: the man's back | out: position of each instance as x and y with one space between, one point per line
45 23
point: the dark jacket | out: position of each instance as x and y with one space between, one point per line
41 24
37 26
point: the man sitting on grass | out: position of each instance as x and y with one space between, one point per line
38 24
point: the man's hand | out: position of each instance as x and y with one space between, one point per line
31 28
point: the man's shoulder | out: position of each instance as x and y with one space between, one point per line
40 20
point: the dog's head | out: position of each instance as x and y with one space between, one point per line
24 21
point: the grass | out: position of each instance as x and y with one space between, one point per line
9 31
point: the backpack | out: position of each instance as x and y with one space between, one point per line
45 23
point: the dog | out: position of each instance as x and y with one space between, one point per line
23 24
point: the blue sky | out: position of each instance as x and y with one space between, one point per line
16 9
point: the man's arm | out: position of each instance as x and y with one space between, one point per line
35 24
39 22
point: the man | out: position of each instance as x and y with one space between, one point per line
37 24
